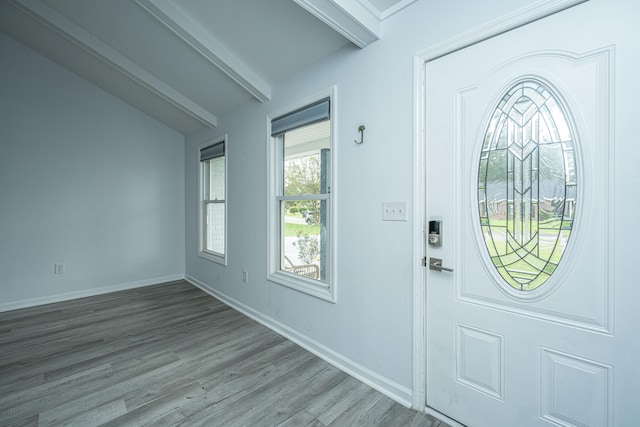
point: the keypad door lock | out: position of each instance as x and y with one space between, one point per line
435 233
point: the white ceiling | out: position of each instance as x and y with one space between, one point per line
186 62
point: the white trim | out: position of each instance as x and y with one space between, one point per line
202 253
111 57
402 4
391 10
310 287
520 17
350 18
32 302
214 257
169 14
389 388
419 237
496 27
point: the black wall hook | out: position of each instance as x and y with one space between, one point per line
361 130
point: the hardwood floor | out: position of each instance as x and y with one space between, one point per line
172 355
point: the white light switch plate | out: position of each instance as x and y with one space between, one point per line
394 211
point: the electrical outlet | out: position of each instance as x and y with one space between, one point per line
58 269
245 276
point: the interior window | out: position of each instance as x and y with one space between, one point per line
213 206
301 143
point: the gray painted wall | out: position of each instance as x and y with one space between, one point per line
88 181
85 180
369 329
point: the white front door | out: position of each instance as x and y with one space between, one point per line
532 168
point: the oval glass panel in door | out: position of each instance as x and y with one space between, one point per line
527 185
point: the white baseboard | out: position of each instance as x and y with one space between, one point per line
32 302
391 389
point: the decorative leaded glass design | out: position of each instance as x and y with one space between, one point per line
527 185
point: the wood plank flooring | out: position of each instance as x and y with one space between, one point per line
170 355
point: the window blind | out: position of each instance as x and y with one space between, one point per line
313 113
212 151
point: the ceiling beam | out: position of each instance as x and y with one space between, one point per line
348 17
81 38
394 8
206 45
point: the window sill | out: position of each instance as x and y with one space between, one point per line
217 258
311 287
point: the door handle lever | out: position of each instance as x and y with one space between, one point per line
436 264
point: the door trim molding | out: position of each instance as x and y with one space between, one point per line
520 17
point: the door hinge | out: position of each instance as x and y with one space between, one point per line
424 261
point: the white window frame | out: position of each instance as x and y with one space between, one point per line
220 258
323 290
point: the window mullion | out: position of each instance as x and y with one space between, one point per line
304 197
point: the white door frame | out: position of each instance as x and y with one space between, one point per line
499 26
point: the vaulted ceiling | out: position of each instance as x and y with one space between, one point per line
186 62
